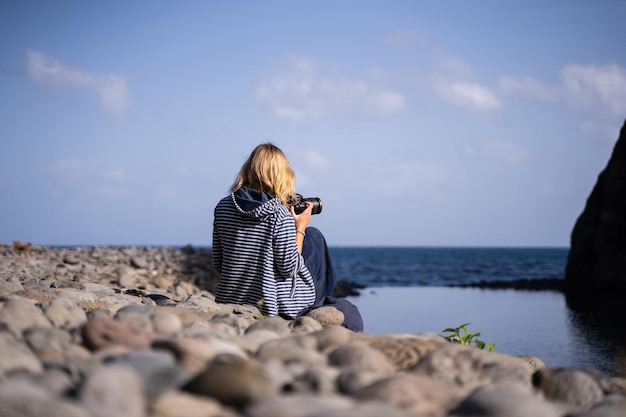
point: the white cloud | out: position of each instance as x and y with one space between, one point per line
111 89
303 92
502 151
588 86
468 95
598 90
454 83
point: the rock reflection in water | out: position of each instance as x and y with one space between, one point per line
597 327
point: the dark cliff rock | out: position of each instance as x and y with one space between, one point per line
597 258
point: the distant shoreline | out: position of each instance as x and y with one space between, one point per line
546 284
337 247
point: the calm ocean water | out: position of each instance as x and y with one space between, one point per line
405 266
408 292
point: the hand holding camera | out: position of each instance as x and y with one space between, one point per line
300 204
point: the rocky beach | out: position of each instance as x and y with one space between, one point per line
131 332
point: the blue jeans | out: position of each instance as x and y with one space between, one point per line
317 260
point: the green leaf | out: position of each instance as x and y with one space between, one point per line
449 329
479 344
491 347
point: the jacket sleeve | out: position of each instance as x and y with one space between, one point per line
288 261
216 248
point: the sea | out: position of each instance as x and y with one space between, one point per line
416 289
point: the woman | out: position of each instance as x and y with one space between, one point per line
264 251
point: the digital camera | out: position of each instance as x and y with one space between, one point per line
300 204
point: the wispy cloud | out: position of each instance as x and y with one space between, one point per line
454 83
587 86
304 92
111 89
597 92
594 89
468 95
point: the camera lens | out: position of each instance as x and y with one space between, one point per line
316 203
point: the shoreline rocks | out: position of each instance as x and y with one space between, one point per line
546 284
110 331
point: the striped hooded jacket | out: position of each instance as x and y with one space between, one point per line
255 252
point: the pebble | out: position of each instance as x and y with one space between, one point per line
360 355
20 398
575 387
233 381
102 332
64 313
182 404
467 368
505 400
327 316
136 332
110 390
16 356
415 393
19 314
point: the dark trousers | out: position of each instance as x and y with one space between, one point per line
317 260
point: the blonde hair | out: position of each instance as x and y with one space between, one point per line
267 169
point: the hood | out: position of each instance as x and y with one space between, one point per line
255 203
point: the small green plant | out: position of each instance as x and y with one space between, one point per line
463 336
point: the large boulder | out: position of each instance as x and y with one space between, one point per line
597 258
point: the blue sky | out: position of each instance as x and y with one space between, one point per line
417 123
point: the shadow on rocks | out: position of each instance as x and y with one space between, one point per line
198 264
